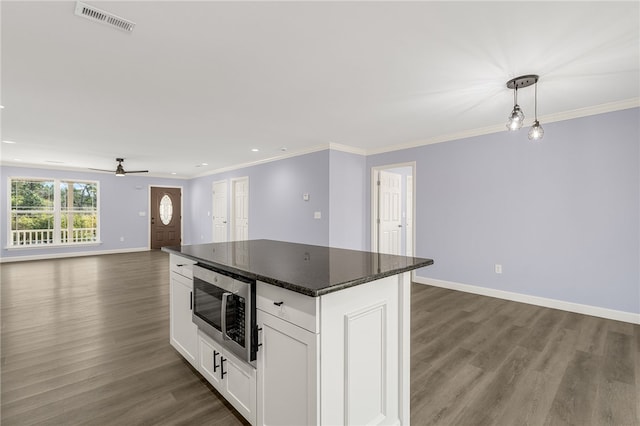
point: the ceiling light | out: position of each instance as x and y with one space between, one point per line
1 106
173 173
9 142
255 150
516 118
205 164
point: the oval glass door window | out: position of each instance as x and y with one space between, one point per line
166 210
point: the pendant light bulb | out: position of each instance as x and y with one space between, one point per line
516 119
536 132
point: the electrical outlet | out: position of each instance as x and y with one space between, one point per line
498 268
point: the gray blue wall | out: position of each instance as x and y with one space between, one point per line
347 180
276 207
562 216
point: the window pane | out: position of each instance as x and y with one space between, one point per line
64 190
85 196
84 228
166 210
31 228
31 195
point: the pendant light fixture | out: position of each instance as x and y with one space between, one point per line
516 118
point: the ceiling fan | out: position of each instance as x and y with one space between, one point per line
120 170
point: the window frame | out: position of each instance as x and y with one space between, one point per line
57 213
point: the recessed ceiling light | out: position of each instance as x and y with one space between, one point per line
54 161
17 159
205 164
11 142
1 106
173 173
255 150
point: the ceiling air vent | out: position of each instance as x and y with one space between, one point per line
98 15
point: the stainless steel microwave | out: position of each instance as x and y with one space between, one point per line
224 308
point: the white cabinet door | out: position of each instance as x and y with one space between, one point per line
209 363
234 379
183 332
239 385
287 373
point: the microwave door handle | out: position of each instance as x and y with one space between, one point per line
223 320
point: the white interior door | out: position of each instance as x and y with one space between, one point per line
240 209
220 222
390 207
409 218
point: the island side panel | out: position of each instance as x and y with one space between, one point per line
365 353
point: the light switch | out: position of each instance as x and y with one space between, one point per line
142 214
317 215
305 197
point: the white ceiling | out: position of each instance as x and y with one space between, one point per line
208 81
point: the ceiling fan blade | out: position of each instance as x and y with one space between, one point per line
101 170
136 171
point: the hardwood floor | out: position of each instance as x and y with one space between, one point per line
85 341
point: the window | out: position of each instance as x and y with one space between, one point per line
52 211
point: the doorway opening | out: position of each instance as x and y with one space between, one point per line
393 209
165 218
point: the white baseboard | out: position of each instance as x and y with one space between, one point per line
75 254
534 300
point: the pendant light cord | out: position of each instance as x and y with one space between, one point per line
535 103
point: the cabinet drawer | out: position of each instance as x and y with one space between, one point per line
181 265
293 307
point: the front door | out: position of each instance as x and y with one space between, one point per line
166 217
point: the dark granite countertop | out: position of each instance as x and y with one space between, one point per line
307 269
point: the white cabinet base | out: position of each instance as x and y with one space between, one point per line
354 370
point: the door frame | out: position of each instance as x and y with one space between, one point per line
149 207
375 205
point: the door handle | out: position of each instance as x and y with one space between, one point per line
191 300
223 319
215 362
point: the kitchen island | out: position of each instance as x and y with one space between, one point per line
333 332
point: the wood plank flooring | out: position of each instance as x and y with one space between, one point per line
85 341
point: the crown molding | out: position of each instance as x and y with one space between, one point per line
312 149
